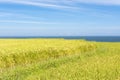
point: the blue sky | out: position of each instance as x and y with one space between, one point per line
59 18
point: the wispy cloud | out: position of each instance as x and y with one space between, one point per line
10 14
61 3
3 14
26 22
41 3
58 4
101 2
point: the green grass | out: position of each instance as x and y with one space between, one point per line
85 62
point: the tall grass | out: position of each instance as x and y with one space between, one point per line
20 51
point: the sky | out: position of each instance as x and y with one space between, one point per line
59 17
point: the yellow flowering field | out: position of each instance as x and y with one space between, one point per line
59 59
23 51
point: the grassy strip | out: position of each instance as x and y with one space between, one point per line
20 72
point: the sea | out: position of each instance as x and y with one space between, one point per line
88 38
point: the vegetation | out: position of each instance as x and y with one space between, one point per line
58 59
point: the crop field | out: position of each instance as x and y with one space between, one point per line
59 59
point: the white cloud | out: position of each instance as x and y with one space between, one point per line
61 3
18 15
26 22
101 2
41 3
3 14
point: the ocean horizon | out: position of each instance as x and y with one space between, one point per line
88 38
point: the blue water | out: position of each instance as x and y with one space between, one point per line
89 38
